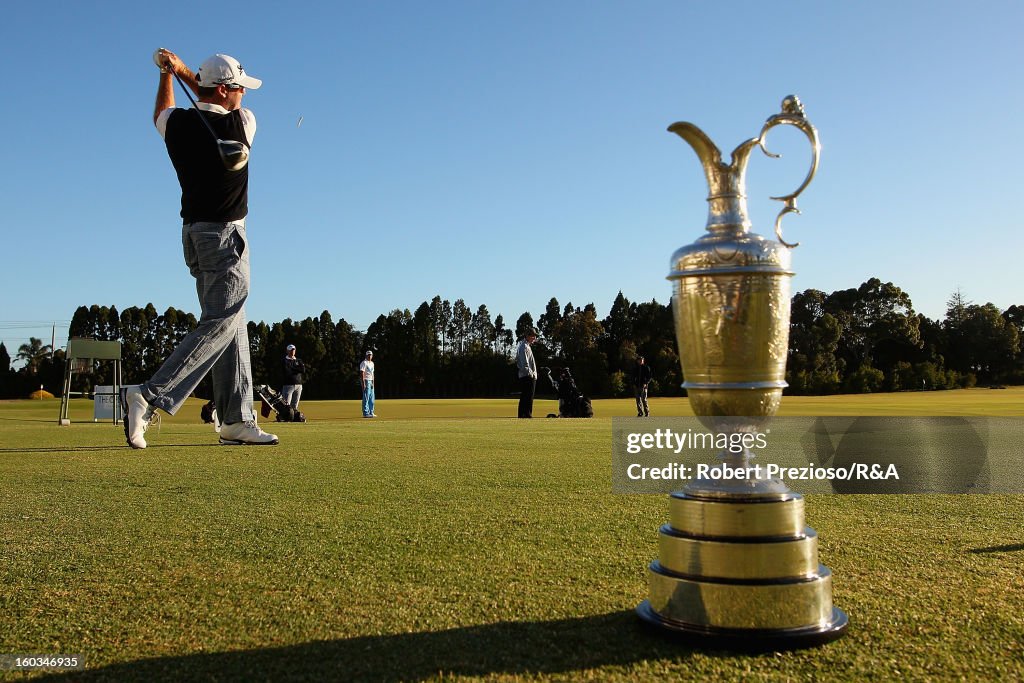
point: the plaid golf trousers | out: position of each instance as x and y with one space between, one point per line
217 255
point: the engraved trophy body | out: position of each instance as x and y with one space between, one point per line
736 564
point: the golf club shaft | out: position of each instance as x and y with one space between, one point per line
196 106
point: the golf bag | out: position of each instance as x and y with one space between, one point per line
271 400
571 403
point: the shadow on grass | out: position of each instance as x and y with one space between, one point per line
62 449
524 648
123 447
999 549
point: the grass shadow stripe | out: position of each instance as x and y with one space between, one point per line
504 648
1013 548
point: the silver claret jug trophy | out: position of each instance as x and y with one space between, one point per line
737 567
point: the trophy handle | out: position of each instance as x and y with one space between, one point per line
792 115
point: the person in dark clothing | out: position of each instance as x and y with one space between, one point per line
294 369
641 378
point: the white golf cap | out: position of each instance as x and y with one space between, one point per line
225 70
289 347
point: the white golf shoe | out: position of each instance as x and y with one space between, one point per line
137 415
246 434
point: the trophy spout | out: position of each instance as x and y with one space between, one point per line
707 151
727 199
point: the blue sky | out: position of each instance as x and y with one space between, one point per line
505 153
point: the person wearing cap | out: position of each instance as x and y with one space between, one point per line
214 204
366 370
294 369
641 378
527 368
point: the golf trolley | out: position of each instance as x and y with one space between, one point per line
273 401
270 401
571 402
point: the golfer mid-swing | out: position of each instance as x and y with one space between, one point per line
214 203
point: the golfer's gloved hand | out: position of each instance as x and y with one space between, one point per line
167 60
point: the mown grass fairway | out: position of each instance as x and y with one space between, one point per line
446 540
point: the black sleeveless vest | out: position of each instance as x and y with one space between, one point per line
209 192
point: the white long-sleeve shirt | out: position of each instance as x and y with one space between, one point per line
524 360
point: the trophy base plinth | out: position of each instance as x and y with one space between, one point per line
741 572
746 639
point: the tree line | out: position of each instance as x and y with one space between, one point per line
866 339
